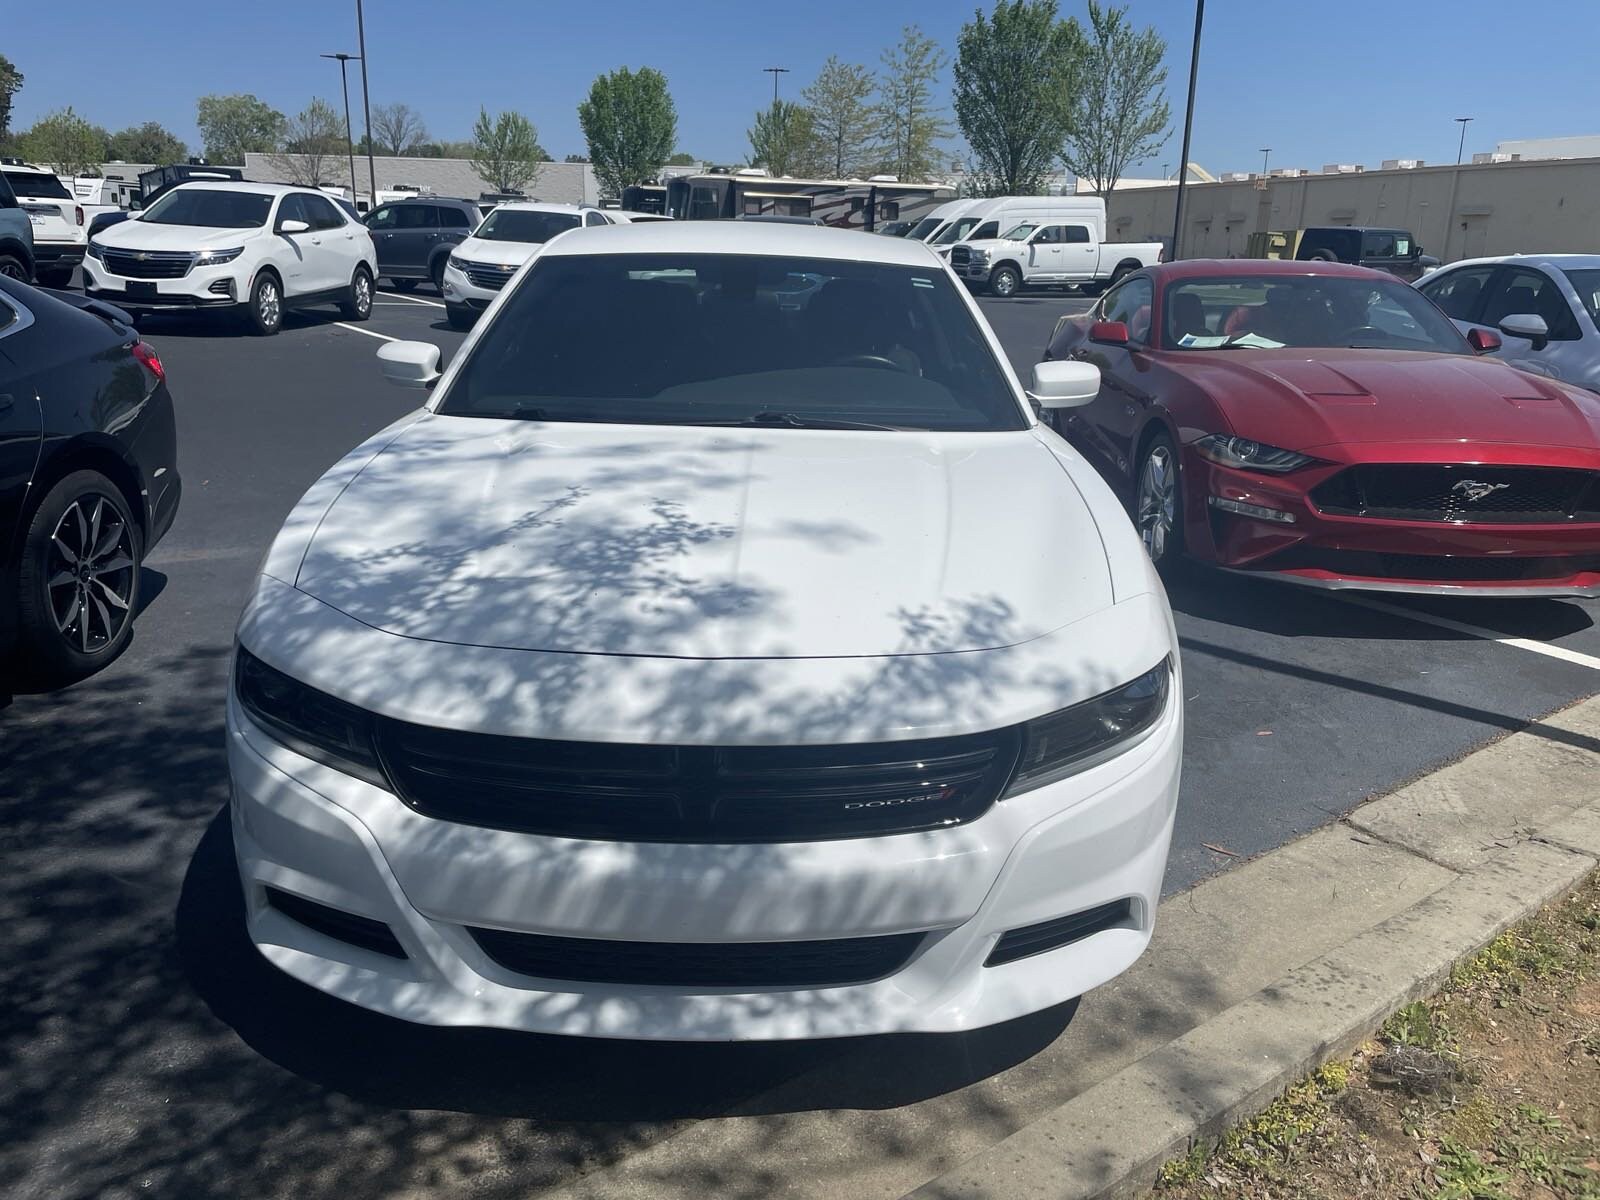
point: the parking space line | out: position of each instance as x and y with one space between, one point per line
412 299
1477 631
368 332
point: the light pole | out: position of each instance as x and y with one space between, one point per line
1266 152
1462 145
366 112
1188 127
775 72
349 141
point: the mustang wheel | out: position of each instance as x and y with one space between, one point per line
1158 504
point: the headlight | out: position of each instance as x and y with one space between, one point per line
212 258
1077 738
459 264
307 721
94 251
1229 451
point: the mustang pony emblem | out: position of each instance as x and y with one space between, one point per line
1474 490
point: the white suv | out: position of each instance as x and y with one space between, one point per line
56 217
480 266
255 248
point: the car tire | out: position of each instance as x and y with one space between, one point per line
1093 288
1324 256
1005 282
12 267
56 279
459 316
74 617
264 310
358 305
1158 503
437 274
404 285
1122 272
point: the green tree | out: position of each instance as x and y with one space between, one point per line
576 158
67 142
630 123
314 148
506 150
147 143
841 117
233 126
10 85
680 159
910 124
1014 72
397 129
1118 114
783 139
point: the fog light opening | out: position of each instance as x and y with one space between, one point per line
1260 512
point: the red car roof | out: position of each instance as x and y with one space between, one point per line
1249 268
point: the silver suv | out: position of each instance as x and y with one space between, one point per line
16 237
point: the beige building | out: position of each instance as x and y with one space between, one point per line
1541 206
559 183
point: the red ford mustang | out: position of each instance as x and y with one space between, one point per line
1328 425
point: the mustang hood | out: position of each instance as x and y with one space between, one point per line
1302 399
705 543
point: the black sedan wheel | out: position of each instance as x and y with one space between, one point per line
78 580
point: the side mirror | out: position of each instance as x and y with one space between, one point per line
1109 333
1483 341
410 364
1416 250
1526 325
1064 383
293 226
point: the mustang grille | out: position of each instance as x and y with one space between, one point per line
695 793
1462 493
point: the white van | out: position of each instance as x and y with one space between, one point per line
935 223
991 218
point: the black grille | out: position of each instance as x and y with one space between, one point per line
836 962
695 793
489 275
1462 493
336 923
147 264
1434 568
960 256
1058 932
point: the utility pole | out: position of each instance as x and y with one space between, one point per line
1266 152
1462 145
1188 127
366 110
349 141
775 72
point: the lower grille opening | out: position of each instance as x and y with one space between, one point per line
362 932
1058 932
835 962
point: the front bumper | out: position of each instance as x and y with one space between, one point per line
1322 550
201 287
1097 837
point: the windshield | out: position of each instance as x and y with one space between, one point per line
704 339
525 225
44 187
1587 284
956 230
210 209
1265 312
924 227
1019 233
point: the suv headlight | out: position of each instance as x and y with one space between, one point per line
214 258
459 264
1075 739
309 722
1228 451
94 251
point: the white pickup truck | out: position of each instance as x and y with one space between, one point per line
1036 253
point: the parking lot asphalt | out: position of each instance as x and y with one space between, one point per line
146 1049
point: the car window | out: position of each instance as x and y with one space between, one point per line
988 229
1458 293
293 208
525 225
1586 282
324 215
1130 304
416 216
720 338
1076 235
1519 290
1378 243
8 316
382 218
1019 233
594 218
210 209
1050 235
1271 311
38 186
453 218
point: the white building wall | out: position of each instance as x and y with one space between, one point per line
558 183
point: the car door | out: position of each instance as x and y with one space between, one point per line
293 249
1106 427
415 235
1529 291
1080 253
1044 254
381 224
21 426
334 249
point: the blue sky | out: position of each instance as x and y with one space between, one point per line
1359 81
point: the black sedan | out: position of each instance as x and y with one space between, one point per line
88 480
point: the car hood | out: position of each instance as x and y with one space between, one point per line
135 234
699 543
485 250
1304 400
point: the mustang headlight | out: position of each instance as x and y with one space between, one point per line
307 721
214 258
1228 451
1075 739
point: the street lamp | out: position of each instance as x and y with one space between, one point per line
1462 145
775 72
1188 126
349 142
1266 152
366 110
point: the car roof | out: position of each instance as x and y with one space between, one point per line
26 166
432 200
744 237
541 206
246 185
1249 268
1576 262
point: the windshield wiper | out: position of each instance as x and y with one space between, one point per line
796 421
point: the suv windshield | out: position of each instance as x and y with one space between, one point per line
1266 312
39 186
1586 282
525 225
956 230
210 209
709 339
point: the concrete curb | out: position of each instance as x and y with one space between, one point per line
1513 852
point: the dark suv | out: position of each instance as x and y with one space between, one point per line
16 236
414 236
1391 250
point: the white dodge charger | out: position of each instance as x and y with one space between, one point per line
724 651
